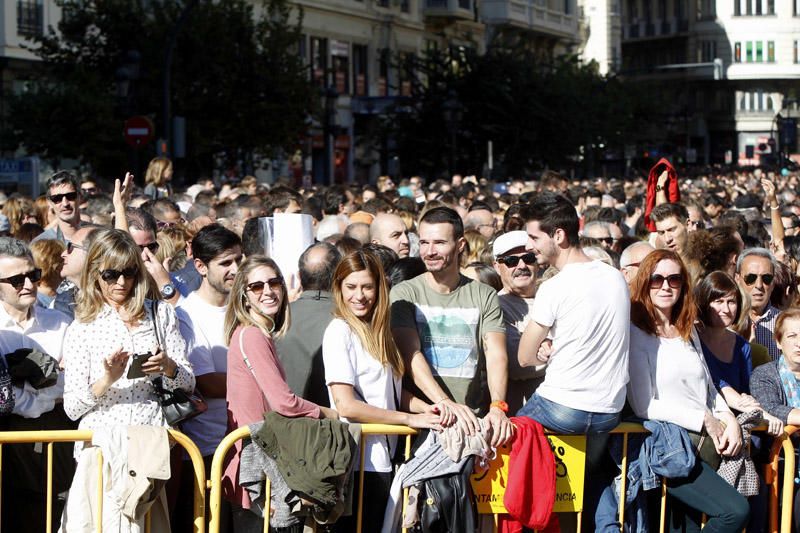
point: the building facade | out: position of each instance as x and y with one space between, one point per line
728 69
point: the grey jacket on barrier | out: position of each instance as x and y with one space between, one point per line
766 387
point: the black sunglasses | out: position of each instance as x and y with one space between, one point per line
18 281
513 260
153 247
56 198
675 281
750 279
257 287
608 240
109 275
71 246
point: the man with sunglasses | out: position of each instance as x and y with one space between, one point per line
64 198
23 324
517 269
755 273
601 232
143 228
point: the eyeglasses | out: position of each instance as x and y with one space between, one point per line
512 261
750 279
111 274
675 281
153 247
608 240
71 246
257 287
18 281
56 198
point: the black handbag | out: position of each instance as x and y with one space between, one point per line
6 389
33 366
177 405
446 503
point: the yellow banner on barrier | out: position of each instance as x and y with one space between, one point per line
489 486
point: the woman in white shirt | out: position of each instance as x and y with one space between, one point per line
113 323
669 381
364 370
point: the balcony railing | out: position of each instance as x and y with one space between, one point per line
531 15
459 9
30 20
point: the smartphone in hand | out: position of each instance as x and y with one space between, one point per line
135 370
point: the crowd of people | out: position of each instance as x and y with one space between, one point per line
451 304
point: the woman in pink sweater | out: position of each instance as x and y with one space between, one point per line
256 382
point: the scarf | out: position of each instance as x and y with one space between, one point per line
790 387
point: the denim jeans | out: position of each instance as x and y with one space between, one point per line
563 419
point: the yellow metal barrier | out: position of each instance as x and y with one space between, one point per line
771 474
51 437
218 462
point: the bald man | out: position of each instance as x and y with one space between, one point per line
390 230
631 257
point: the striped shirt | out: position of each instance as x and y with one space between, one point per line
765 330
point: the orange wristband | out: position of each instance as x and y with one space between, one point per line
500 404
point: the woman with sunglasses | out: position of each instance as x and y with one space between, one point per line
111 352
258 312
114 325
364 370
669 381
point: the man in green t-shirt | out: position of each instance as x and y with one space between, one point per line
450 331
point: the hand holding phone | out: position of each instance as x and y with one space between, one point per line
135 370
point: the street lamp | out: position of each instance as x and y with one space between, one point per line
329 128
452 113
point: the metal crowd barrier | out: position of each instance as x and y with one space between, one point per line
771 478
54 436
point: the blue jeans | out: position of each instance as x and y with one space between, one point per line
563 419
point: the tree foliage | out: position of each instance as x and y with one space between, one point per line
536 112
235 76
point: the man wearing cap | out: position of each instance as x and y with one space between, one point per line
517 269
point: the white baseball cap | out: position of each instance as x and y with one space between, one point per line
508 241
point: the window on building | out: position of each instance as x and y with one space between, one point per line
360 78
633 11
770 7
759 52
749 52
758 7
383 73
770 104
319 60
737 8
796 51
749 5
30 18
405 6
406 73
771 51
796 8
340 63
737 52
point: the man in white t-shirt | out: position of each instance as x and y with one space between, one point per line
217 253
586 310
517 269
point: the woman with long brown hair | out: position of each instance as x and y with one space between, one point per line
670 382
364 370
157 178
258 312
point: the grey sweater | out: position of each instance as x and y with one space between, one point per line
766 387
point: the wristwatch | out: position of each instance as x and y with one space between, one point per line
168 291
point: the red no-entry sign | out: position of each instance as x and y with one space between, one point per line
138 131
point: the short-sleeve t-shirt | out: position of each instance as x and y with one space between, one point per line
346 361
587 308
450 328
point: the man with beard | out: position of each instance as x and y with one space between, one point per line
217 253
450 331
64 198
517 269
390 230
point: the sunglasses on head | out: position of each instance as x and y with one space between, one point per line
110 274
512 261
750 279
675 281
56 198
153 247
257 287
18 281
72 246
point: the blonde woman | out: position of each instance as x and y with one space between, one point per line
113 328
20 210
364 370
258 312
157 178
